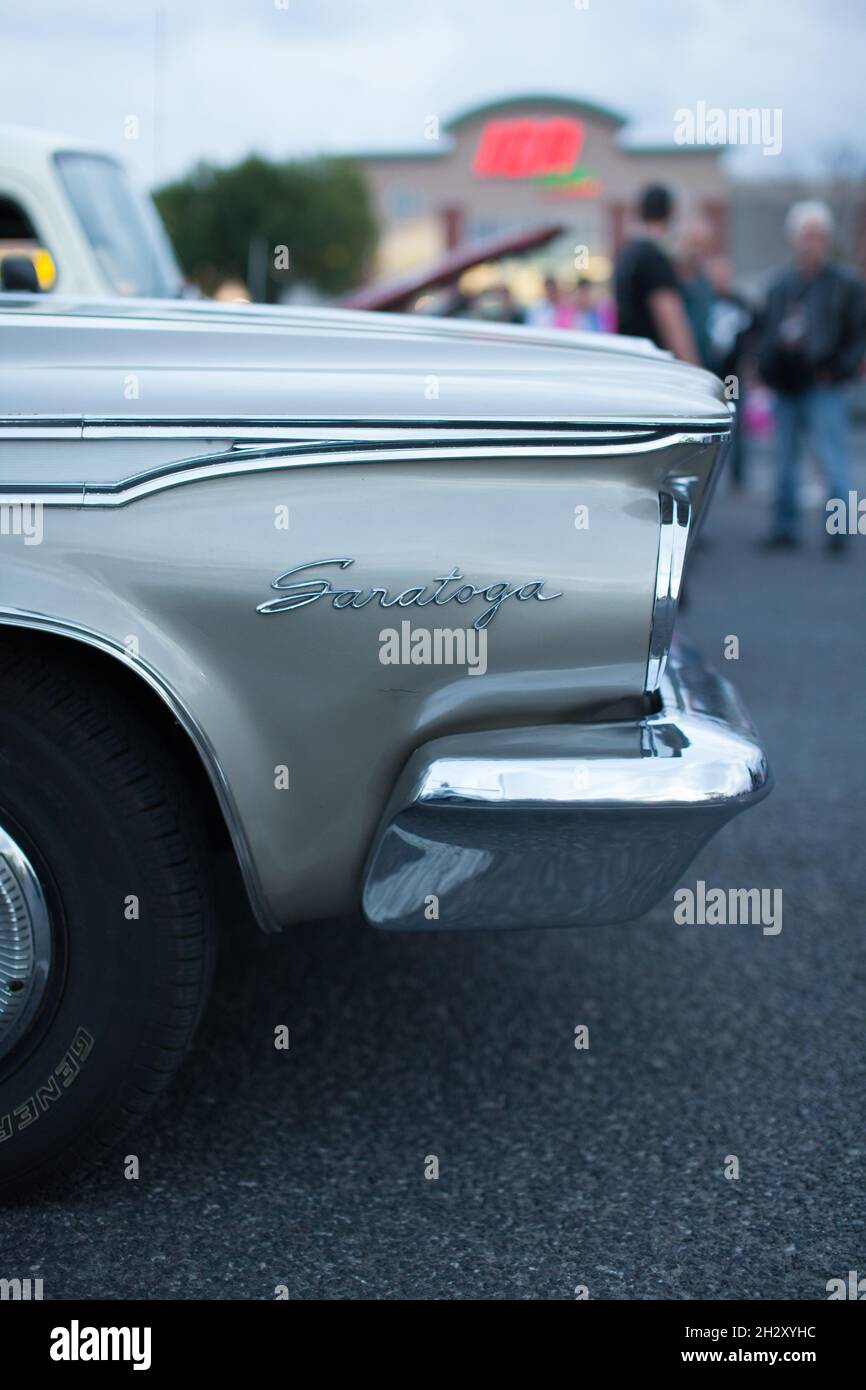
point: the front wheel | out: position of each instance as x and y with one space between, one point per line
105 912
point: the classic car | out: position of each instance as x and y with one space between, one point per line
381 606
405 292
69 207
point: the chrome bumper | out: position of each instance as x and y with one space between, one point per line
564 825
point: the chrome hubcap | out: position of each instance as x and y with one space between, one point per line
25 943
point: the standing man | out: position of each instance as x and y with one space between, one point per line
587 315
649 299
693 250
542 314
812 339
730 327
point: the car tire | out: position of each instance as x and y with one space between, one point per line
106 931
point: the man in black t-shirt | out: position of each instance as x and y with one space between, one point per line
649 299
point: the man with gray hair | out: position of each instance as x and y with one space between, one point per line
812 339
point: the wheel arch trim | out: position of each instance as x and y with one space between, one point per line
207 755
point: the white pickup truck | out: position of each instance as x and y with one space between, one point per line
71 209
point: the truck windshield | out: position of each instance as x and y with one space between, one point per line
126 235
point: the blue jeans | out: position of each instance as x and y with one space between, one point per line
820 415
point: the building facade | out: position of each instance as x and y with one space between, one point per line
516 164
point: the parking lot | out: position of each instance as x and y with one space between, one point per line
602 1167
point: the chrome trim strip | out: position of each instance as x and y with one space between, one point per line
675 518
564 825
22 427
315 454
264 426
20 617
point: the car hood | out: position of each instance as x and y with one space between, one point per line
200 360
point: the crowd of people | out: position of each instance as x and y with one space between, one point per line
577 307
806 341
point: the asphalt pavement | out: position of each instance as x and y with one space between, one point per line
558 1167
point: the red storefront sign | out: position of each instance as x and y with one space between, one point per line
528 147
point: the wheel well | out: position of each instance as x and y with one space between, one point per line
80 659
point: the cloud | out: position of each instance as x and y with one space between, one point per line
214 80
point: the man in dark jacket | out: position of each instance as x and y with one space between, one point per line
812 339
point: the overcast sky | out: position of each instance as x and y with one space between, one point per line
213 79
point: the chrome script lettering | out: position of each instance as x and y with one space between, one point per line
297 593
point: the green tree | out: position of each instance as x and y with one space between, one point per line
254 217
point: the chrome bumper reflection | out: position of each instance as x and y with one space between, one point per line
564 825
